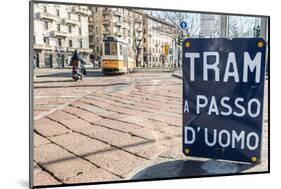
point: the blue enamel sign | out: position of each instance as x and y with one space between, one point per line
223 88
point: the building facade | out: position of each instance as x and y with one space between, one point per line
123 23
142 32
59 30
158 45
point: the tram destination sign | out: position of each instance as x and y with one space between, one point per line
223 89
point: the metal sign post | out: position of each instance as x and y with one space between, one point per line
223 88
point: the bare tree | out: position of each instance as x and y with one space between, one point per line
134 33
241 26
173 29
175 18
137 38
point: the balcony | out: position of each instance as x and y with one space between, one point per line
147 53
119 23
105 22
138 20
48 47
60 49
116 13
125 26
106 32
47 16
38 46
84 50
59 34
82 11
118 33
139 29
43 47
68 21
105 11
70 49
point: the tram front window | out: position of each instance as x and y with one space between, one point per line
110 49
106 48
113 49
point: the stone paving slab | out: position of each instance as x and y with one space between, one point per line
75 124
43 178
47 127
113 137
118 125
39 140
91 117
60 162
93 175
80 144
117 161
61 115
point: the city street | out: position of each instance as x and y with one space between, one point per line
111 128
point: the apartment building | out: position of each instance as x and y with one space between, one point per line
59 30
149 44
124 23
158 46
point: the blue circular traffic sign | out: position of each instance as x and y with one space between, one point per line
183 25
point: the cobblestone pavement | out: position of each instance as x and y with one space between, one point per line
106 128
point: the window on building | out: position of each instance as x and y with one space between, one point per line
97 30
91 38
69 29
97 39
58 27
70 43
90 28
144 49
34 39
59 42
81 44
98 49
69 15
79 17
45 9
96 9
58 12
46 26
80 31
46 40
144 40
144 58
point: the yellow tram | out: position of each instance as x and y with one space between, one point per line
115 57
